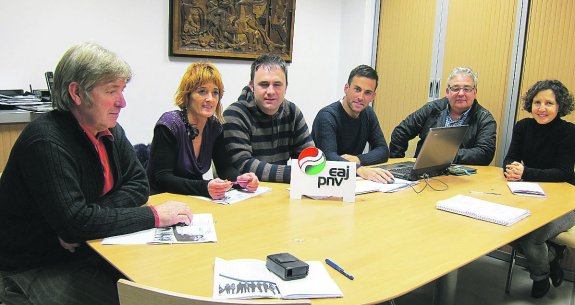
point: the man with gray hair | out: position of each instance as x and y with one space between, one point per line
263 130
73 176
459 107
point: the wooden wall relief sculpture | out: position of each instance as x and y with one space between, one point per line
231 28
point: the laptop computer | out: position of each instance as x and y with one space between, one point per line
437 152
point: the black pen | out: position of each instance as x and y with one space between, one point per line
338 268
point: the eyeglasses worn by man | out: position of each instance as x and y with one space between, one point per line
458 107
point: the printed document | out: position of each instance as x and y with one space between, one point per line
234 196
250 279
367 186
201 230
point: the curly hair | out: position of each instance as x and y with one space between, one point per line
562 96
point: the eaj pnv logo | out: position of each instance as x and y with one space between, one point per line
311 161
318 177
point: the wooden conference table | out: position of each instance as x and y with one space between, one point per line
392 243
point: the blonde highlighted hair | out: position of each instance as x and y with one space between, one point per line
196 75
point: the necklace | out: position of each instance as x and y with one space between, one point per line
192 129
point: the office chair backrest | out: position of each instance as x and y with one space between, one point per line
131 293
143 153
567 238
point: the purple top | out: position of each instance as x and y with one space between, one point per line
186 163
173 166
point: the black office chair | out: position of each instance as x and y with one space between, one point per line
143 153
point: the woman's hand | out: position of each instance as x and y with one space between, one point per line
514 171
217 188
249 181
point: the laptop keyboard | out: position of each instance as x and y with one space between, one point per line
402 172
393 166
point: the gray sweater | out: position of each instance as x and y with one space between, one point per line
262 144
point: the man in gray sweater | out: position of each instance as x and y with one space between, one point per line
263 130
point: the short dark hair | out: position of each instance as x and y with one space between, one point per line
363 71
563 97
268 60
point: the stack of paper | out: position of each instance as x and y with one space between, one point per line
483 210
368 186
526 189
20 100
250 279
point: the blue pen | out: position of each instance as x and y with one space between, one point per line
338 268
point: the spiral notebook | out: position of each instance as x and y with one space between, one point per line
483 210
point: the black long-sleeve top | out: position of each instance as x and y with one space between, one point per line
163 160
52 187
336 134
546 150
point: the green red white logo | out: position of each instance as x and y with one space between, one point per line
311 161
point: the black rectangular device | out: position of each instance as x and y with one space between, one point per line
287 266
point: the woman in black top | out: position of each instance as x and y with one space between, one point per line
187 140
543 149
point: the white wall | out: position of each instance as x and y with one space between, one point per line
356 37
330 38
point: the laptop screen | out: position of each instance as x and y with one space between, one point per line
439 149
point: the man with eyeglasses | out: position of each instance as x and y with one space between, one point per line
459 107
342 129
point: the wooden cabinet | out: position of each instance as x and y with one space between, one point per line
404 49
8 135
420 42
12 122
549 45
